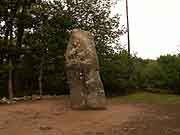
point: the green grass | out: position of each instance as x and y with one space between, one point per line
149 98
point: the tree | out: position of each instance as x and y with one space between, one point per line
59 20
13 15
171 66
40 32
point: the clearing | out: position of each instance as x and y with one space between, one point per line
137 114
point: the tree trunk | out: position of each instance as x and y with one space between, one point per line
20 25
40 77
10 82
11 76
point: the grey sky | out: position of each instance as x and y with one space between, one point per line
154 26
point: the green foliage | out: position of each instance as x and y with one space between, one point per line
34 36
114 72
152 75
163 73
171 67
40 34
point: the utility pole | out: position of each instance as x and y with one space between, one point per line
128 35
129 47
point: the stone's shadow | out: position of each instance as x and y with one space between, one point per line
90 109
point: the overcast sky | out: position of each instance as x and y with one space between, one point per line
154 26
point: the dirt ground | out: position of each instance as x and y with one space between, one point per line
54 117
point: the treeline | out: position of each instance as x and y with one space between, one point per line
121 75
33 39
163 73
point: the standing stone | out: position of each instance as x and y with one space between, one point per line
82 68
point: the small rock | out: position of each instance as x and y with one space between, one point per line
4 100
99 133
45 128
1 128
125 129
36 97
88 133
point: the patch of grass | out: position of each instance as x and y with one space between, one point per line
149 98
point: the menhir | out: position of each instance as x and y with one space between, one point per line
82 68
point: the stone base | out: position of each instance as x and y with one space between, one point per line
86 88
